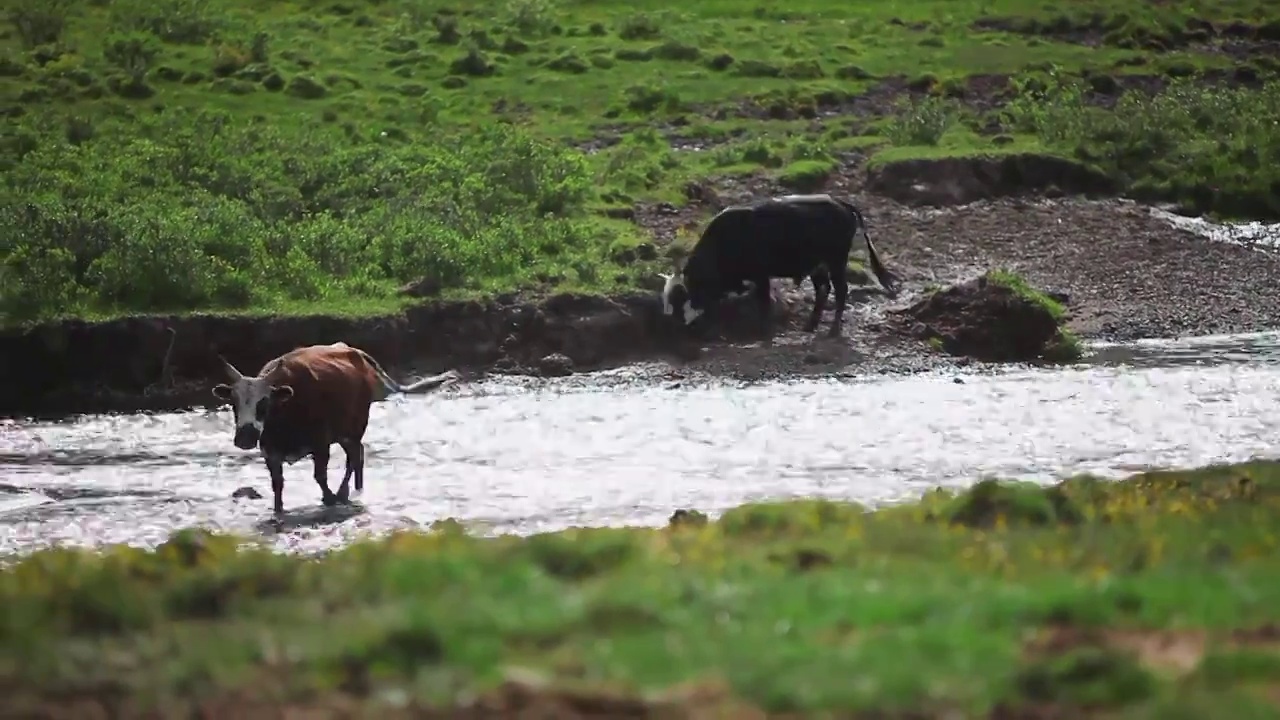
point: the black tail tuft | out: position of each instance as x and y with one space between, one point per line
886 278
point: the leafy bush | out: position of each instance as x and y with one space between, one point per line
193 210
132 53
179 21
921 121
39 22
1211 149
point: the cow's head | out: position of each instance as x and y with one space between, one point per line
675 294
251 399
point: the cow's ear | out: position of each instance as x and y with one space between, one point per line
222 391
281 393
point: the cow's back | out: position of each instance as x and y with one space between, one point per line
801 222
333 387
785 238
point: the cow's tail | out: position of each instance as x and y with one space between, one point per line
887 279
427 384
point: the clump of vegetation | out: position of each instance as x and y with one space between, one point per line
532 17
1064 346
1134 598
921 121
1210 149
997 317
187 215
641 162
133 53
179 21
640 26
39 22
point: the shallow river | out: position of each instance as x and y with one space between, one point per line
597 450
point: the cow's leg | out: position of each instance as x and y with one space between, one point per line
707 326
354 451
275 467
764 299
321 458
821 289
344 487
840 280
360 467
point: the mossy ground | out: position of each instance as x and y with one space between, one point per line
1066 346
220 154
1150 597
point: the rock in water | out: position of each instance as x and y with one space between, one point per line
555 365
246 493
994 318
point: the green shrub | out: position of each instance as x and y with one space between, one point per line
177 21
193 210
921 121
39 22
1210 149
132 53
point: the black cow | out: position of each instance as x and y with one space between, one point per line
304 401
787 237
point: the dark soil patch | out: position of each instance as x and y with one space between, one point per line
979 92
1089 30
512 699
1239 40
1169 651
665 220
962 180
1129 275
984 320
161 363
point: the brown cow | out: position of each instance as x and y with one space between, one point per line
306 400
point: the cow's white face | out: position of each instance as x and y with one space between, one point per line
674 293
251 399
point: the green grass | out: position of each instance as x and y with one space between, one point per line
189 155
1126 597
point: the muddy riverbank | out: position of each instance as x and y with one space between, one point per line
1125 270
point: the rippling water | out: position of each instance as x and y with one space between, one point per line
1258 235
502 456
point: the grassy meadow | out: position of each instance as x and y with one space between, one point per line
1151 597
317 155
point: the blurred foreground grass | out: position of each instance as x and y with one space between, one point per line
1155 597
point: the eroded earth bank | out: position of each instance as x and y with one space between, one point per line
1121 270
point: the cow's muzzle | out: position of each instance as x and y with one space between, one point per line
247 437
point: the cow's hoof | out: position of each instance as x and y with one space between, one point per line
329 500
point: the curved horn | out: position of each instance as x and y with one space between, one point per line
232 372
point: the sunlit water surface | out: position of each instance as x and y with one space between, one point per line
504 457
